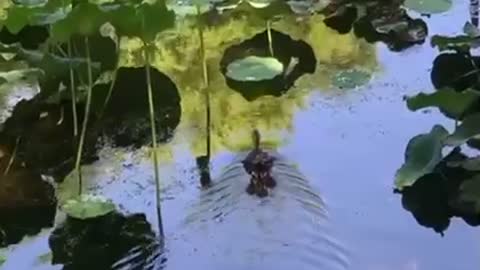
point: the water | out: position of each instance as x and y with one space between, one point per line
334 207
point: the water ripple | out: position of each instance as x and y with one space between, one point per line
289 229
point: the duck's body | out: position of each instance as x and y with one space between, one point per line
259 165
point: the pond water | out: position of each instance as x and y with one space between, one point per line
334 207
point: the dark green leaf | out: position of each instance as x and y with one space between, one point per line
461 42
144 21
423 153
85 19
18 17
469 128
470 164
452 103
156 18
470 192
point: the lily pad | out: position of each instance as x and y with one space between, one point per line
423 153
468 129
350 79
254 68
453 104
88 206
429 6
260 3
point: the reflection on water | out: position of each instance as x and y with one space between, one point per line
232 116
347 146
287 230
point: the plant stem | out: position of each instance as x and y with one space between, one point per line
269 37
73 92
12 157
112 84
206 83
85 117
154 144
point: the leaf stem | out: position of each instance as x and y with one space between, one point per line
112 84
269 37
12 157
206 83
73 92
154 143
85 118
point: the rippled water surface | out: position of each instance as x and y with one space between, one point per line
334 207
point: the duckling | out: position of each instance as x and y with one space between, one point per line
258 164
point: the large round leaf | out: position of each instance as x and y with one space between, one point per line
88 206
423 153
429 6
254 68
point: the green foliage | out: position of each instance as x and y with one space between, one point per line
470 164
423 153
429 6
3 258
88 206
450 185
471 38
461 42
144 21
469 128
453 104
470 192
85 19
254 68
34 13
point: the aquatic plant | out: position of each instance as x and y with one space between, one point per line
434 186
64 24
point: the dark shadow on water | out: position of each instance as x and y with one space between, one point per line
436 197
44 132
285 50
30 36
37 139
113 241
455 70
203 166
126 119
385 22
27 205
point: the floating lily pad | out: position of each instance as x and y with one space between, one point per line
350 79
254 68
423 153
429 6
88 206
